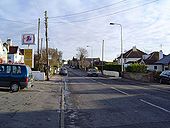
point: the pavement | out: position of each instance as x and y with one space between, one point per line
36 107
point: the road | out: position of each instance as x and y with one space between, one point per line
86 102
98 102
37 107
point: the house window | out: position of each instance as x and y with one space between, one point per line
155 67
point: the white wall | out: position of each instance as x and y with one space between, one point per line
15 58
3 53
38 75
125 60
151 68
111 73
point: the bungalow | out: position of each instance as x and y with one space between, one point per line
131 56
164 63
149 61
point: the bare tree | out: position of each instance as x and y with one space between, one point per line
81 55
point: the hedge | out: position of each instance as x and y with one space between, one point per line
138 68
110 67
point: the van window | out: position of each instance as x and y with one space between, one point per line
2 69
8 69
16 69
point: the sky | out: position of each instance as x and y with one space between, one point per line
78 23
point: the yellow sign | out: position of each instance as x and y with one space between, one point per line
28 57
28 62
28 53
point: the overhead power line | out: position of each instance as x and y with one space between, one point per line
114 13
73 14
15 21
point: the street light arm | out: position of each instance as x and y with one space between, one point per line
116 24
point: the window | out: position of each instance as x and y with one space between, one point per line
2 69
8 69
155 67
14 69
19 70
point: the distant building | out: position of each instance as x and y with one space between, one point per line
151 59
164 63
15 55
3 53
131 56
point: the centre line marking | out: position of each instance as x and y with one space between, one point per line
120 91
153 105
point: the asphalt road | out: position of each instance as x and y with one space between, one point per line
97 102
37 107
88 102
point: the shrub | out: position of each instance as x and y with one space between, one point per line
138 68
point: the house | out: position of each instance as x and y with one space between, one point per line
15 55
151 59
3 53
131 56
164 63
92 61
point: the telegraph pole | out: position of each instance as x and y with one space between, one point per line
46 38
102 55
38 49
41 46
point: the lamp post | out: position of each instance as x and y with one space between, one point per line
121 44
91 53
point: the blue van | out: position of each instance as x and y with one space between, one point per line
15 76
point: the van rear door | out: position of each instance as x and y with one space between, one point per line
5 75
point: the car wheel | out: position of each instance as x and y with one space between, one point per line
14 87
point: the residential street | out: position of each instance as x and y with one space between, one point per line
90 102
115 103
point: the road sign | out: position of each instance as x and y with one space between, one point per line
28 39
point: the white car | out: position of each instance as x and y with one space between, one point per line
92 72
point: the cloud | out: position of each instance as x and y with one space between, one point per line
144 26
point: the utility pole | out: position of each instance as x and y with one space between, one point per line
41 46
46 38
102 55
38 49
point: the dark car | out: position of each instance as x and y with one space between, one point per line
15 76
63 71
165 77
92 72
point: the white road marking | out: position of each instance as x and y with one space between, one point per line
153 105
120 91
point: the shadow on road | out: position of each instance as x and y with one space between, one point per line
32 119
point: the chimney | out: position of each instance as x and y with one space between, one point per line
134 48
9 42
160 54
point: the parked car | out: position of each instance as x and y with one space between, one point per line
92 72
63 71
165 77
15 76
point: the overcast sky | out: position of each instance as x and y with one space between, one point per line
78 23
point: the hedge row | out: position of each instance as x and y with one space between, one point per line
138 68
110 67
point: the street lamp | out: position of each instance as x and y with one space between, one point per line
91 53
121 44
